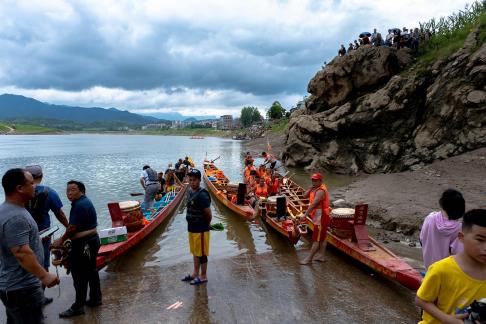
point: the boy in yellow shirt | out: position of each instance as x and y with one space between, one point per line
453 283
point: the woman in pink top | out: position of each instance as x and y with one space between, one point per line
439 231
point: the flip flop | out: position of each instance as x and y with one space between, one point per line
187 278
198 281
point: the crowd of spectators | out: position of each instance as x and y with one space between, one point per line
397 38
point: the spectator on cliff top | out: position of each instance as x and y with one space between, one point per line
389 38
378 41
360 42
396 38
366 40
374 35
351 47
342 50
356 45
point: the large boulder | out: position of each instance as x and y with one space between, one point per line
363 116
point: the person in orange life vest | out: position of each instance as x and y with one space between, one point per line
318 211
273 184
262 171
248 169
261 190
252 182
269 158
248 159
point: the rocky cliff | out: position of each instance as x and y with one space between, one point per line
366 114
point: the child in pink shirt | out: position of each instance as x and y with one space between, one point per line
440 229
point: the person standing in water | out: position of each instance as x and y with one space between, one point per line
318 211
198 220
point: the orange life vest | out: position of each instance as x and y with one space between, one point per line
261 191
273 187
248 169
323 206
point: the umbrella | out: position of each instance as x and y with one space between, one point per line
363 34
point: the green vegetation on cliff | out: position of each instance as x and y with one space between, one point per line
449 34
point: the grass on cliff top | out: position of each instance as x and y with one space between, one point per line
450 34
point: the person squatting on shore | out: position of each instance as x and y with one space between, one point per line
21 256
318 211
198 221
84 249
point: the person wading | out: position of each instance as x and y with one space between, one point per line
150 184
318 211
21 255
269 159
198 220
46 199
84 249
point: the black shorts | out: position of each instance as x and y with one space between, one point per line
273 164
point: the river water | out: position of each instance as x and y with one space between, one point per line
254 274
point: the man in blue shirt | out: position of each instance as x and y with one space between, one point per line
84 249
21 256
46 199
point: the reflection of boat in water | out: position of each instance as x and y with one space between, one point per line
348 233
150 221
196 137
219 185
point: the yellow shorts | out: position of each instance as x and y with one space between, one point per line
199 243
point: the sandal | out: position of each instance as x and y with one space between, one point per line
198 281
187 278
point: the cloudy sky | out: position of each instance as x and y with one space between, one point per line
194 57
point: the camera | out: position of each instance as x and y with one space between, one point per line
477 312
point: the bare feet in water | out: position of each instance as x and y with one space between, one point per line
306 261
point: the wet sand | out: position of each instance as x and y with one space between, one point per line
251 287
400 201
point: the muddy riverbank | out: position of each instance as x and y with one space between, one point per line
400 201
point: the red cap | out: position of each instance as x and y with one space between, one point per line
316 176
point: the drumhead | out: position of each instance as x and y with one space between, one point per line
130 204
342 212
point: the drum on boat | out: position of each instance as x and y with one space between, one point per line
132 215
342 222
272 204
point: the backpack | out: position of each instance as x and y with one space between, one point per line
37 205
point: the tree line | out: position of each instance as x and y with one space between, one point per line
250 115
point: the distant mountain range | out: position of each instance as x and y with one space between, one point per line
20 109
15 107
178 116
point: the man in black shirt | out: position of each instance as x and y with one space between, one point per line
84 249
198 220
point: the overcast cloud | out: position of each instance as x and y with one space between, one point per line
195 57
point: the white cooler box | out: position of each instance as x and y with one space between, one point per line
113 235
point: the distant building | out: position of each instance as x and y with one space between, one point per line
236 123
155 126
226 122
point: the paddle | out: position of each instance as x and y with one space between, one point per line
212 161
133 194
